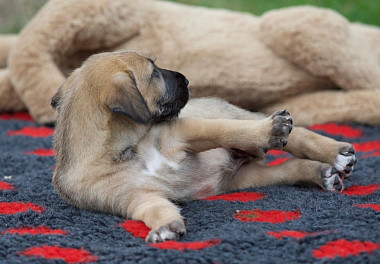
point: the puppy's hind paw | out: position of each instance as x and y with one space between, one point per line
331 180
345 161
171 231
282 125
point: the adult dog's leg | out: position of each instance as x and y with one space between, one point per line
308 37
294 171
355 106
60 29
159 214
9 100
6 43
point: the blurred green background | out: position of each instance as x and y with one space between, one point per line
15 13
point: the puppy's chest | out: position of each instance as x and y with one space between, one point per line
155 163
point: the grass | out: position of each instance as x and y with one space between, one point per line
15 13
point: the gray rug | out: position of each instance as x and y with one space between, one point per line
262 225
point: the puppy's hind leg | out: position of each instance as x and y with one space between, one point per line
159 214
306 144
294 171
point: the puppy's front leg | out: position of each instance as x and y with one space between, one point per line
252 136
159 214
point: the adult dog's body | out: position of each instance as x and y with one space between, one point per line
291 59
121 148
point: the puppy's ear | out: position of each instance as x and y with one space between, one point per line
126 99
55 101
56 98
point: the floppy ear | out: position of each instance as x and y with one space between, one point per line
63 89
56 98
126 99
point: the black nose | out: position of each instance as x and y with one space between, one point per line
187 82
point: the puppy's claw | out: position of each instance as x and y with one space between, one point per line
282 125
331 180
171 231
345 161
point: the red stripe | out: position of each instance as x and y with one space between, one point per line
238 196
344 248
339 130
23 116
277 161
136 228
32 132
19 207
295 234
289 233
367 146
40 230
373 206
41 152
273 216
276 152
182 246
375 154
5 186
70 255
361 189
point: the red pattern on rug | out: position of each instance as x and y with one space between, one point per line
182 246
338 130
361 189
5 186
344 248
29 230
289 233
374 154
70 255
23 116
19 207
367 146
136 228
272 216
32 132
373 206
277 161
42 152
277 153
238 196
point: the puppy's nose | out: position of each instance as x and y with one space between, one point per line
187 82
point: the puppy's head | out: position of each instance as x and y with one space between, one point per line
128 84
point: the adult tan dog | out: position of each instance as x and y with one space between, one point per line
121 148
308 60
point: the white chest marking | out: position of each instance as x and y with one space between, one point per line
157 161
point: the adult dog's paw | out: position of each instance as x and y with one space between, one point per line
171 231
345 161
282 125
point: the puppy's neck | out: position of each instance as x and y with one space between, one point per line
124 136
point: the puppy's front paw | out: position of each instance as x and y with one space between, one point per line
282 125
171 231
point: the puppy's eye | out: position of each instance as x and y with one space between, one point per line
155 73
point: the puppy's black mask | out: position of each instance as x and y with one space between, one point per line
174 98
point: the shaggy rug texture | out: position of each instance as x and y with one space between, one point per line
278 224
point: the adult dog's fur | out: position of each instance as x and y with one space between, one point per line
121 148
294 58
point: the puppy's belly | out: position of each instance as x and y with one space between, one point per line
193 177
